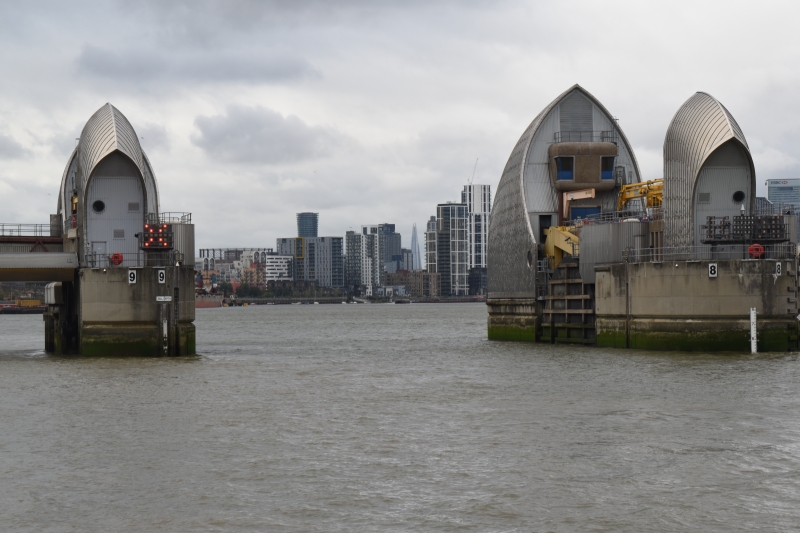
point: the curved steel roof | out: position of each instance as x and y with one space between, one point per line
700 126
510 232
107 131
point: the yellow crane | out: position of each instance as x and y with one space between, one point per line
652 190
560 240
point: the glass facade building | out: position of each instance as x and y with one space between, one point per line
784 192
307 224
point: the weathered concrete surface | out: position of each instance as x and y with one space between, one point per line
513 320
677 306
118 318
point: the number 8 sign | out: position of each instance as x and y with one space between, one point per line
132 277
712 270
162 276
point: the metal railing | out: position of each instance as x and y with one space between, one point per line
27 230
706 253
138 259
175 217
585 136
621 216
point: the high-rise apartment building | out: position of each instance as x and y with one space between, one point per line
430 245
361 261
452 248
388 246
307 224
317 259
478 199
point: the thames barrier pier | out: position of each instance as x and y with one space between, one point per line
120 269
583 250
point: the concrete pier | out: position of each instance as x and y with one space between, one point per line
677 305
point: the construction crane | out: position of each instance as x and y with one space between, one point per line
653 190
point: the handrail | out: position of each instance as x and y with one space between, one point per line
586 136
28 230
708 252
137 259
173 217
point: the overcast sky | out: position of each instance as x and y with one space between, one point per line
368 111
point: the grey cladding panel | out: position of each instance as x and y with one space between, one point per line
576 113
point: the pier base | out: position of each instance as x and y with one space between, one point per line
678 305
513 320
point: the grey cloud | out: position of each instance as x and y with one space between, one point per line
137 65
260 135
11 149
153 137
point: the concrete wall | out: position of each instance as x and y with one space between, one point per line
513 320
120 318
676 305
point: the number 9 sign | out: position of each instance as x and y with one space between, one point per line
162 276
132 277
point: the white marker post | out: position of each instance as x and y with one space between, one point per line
753 332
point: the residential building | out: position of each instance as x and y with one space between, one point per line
362 265
430 245
307 224
478 284
279 268
478 199
253 276
407 262
371 254
424 284
452 248
316 259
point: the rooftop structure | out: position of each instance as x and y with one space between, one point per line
307 224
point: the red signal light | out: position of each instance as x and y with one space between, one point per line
165 244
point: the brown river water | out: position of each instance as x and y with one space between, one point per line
393 418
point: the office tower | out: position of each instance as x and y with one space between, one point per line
307 224
416 263
786 192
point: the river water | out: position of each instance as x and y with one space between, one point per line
393 418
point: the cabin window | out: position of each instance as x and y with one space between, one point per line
607 168
565 166
98 206
738 197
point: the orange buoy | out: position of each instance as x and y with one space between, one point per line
755 251
116 258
